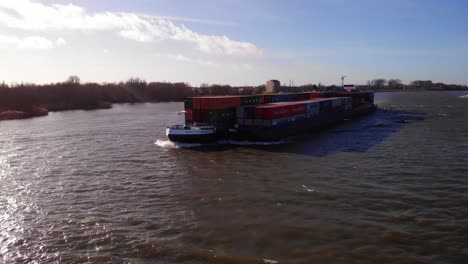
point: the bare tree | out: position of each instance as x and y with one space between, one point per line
394 84
73 79
379 83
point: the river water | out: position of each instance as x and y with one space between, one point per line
105 186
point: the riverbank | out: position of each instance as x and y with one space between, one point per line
417 90
13 113
37 111
18 114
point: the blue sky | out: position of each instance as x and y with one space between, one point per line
235 41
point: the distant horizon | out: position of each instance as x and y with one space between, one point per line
237 43
285 84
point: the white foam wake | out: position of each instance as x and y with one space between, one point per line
170 144
463 96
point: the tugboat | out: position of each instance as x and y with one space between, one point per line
196 133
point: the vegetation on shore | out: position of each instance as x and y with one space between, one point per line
29 100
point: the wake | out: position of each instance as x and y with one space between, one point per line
174 145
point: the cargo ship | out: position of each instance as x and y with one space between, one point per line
267 117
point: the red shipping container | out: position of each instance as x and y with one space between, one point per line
216 102
195 115
316 95
279 110
196 102
189 115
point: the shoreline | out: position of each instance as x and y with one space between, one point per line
399 90
38 111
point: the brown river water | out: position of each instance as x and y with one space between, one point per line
105 186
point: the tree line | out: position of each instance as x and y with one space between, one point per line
396 84
25 99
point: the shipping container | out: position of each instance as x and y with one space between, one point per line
313 95
249 112
250 100
336 102
216 102
275 111
258 122
313 108
348 103
274 98
248 122
200 116
266 98
298 117
222 114
188 103
188 115
302 97
325 106
285 97
241 112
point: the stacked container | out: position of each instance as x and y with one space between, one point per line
219 111
270 109
275 113
273 98
216 102
251 100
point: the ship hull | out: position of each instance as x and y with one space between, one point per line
300 127
189 135
193 138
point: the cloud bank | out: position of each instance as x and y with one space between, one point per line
36 17
32 42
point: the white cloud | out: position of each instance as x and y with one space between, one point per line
180 57
60 42
243 67
35 42
31 42
8 40
32 16
183 58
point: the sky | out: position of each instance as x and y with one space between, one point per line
236 42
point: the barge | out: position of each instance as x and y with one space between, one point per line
267 117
